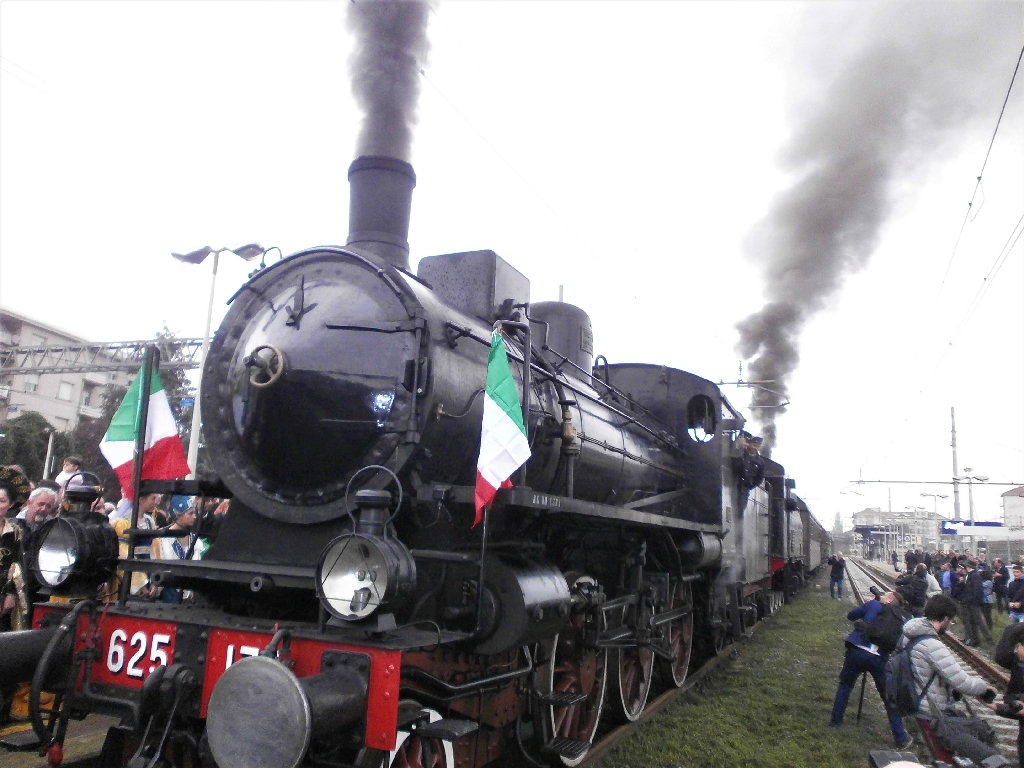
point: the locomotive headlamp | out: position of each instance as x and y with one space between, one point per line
359 573
73 554
80 492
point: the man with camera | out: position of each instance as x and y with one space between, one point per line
835 580
944 683
876 629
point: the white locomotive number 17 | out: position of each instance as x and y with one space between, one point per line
120 646
244 652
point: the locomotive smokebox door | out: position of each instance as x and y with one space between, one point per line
287 445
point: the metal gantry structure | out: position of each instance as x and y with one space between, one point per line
97 356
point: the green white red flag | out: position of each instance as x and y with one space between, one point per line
164 457
503 443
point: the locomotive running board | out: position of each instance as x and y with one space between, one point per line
520 497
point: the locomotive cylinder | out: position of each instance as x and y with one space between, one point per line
530 601
700 550
262 716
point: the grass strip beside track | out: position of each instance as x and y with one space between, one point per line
768 708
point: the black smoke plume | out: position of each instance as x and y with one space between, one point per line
925 75
390 50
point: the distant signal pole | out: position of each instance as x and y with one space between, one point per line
956 473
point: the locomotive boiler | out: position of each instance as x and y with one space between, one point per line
348 611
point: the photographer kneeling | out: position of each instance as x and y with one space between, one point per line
938 673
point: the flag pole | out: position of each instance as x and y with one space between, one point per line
150 362
480 576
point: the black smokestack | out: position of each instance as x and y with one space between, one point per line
390 51
379 205
924 75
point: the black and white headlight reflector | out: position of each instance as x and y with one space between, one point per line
359 573
70 553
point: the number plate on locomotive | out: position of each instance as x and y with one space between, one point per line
130 649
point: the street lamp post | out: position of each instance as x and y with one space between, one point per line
915 528
970 501
246 253
938 521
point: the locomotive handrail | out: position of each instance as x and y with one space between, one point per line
406 326
590 375
656 499
635 457
517 356
451 557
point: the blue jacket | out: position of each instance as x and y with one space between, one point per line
869 612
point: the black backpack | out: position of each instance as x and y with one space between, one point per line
901 696
887 628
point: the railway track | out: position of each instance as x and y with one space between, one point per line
864 575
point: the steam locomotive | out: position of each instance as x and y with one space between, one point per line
349 612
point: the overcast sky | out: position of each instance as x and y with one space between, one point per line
631 152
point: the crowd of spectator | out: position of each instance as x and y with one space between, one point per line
183 528
980 588
934 590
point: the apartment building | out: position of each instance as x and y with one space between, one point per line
61 398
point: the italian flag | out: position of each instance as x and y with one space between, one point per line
503 444
164 457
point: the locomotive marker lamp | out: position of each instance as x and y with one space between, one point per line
360 572
77 552
247 253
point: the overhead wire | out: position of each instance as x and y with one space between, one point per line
981 173
515 171
993 271
997 265
30 73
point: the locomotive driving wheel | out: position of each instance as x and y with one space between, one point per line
632 668
411 752
680 636
579 669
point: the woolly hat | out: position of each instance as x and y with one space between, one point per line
181 504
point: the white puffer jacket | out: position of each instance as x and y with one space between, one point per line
931 657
